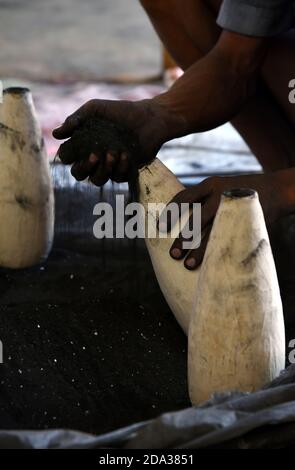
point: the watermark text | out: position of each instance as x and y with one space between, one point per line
292 92
156 220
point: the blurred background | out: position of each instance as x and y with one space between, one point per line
70 51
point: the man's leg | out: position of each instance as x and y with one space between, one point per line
267 130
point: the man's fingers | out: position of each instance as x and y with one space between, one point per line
73 122
166 219
124 162
120 172
187 196
208 212
100 175
177 250
82 169
110 162
195 257
67 154
100 169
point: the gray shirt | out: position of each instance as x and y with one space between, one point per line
260 18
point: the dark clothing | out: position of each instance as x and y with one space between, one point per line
262 18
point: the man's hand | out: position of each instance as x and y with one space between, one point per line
272 195
147 120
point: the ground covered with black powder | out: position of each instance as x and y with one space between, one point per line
88 341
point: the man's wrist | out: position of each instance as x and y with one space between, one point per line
173 123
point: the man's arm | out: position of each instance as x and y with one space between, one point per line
214 89
189 31
208 94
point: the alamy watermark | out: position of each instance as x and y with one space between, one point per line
1 352
156 220
291 355
292 92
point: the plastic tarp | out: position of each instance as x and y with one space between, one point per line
263 419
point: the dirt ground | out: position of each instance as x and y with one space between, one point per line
89 342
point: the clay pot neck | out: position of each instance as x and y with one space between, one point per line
20 91
239 193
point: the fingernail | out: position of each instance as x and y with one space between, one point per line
176 253
110 158
191 263
93 158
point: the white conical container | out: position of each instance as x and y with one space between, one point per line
236 334
157 184
26 193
